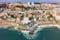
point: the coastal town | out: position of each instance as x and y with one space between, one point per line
29 15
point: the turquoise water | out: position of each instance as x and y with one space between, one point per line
9 34
52 33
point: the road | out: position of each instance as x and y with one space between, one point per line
21 26
14 24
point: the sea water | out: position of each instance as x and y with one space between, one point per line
11 34
42 33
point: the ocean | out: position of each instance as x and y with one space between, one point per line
51 33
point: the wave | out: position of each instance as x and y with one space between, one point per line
43 32
47 32
11 34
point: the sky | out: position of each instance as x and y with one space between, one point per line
29 1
